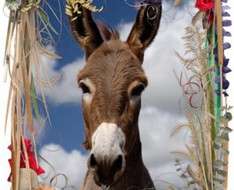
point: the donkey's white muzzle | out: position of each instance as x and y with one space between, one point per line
107 154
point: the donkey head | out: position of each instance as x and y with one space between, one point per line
112 81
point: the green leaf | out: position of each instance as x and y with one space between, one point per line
219 163
224 151
226 129
217 146
228 116
220 172
225 136
222 137
34 101
220 181
191 182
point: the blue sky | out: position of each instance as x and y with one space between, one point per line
162 101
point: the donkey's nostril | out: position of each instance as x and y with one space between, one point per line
118 163
92 161
105 168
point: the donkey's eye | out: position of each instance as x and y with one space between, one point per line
137 90
85 89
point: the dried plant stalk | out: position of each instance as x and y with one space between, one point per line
22 56
200 124
208 149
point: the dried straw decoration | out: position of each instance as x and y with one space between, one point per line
198 174
204 87
22 56
29 34
75 6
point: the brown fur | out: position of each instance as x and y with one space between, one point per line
112 68
115 68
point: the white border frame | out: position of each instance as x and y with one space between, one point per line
4 87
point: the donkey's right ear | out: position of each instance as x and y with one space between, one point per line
85 30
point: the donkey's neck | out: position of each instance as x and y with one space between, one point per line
135 177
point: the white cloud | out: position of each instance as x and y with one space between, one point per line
72 164
165 176
63 86
156 127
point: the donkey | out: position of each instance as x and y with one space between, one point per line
112 82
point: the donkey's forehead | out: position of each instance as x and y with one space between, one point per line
113 52
112 58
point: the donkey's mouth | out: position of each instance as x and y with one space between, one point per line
106 182
106 175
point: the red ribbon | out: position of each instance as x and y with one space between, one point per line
31 158
204 5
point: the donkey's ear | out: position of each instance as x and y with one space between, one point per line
85 30
145 28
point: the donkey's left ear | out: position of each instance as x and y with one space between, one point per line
145 28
